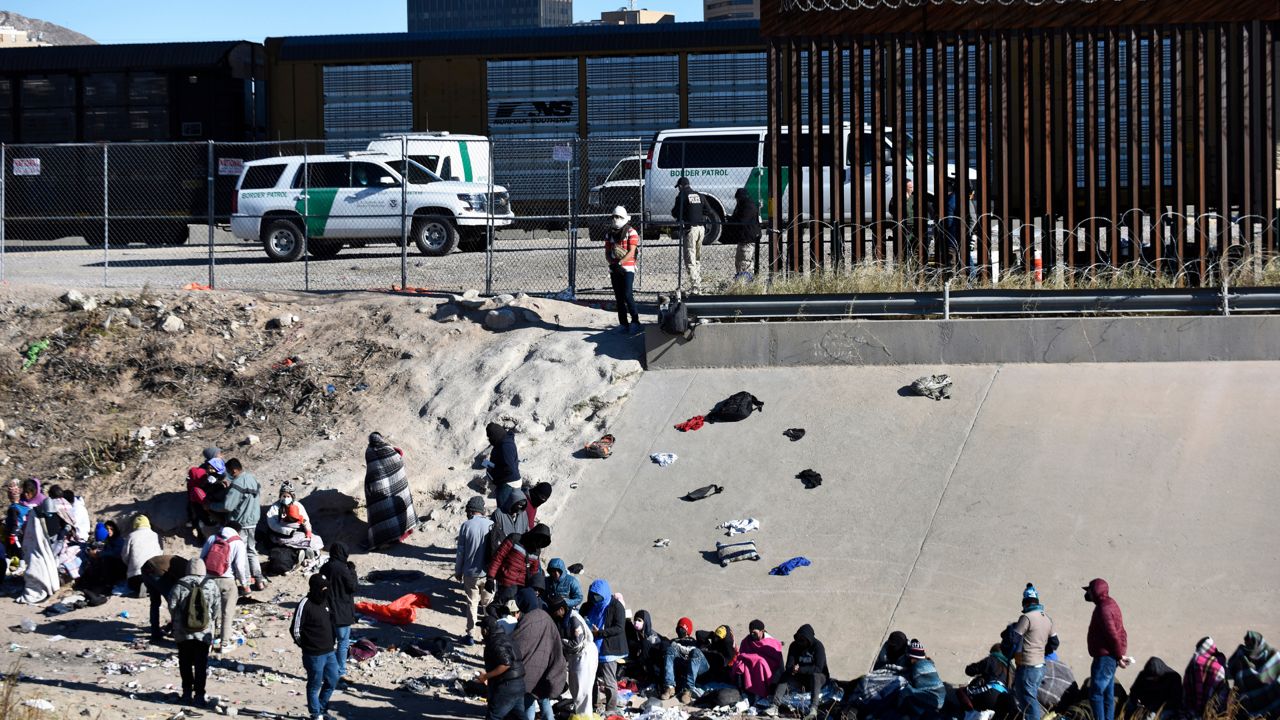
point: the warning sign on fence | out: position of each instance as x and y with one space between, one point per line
26 166
230 166
561 153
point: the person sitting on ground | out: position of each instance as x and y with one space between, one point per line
924 694
516 562
719 648
503 673
80 513
160 574
805 669
563 584
893 654
991 686
225 559
537 639
1156 689
1059 686
646 649
607 618
683 663
290 525
758 661
61 523
1254 668
142 545
1204 684
194 628
579 653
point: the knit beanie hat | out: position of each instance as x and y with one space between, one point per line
211 453
539 494
196 567
495 432
756 625
475 504
722 632
141 522
1030 594
916 650
684 624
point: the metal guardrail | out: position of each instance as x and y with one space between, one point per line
946 304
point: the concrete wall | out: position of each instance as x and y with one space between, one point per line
902 342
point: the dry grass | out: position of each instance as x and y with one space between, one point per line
11 707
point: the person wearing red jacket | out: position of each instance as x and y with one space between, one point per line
1108 643
516 562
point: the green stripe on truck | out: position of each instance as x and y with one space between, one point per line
466 160
317 212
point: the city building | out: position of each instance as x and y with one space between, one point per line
11 37
730 9
454 15
623 16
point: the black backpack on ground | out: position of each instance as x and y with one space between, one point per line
735 407
675 320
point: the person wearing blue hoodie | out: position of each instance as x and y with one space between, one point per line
607 619
924 694
564 584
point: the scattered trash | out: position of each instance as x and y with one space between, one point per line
565 295
664 459
125 613
330 389
57 638
402 611
794 433
38 704
33 352
661 542
810 479
737 406
27 625
703 492
360 388
195 286
363 649
737 527
937 387
601 448
694 423
787 567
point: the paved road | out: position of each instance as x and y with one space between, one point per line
933 515
535 263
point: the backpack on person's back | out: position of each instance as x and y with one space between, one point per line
218 559
195 616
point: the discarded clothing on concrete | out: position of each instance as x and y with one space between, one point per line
736 552
402 611
694 423
737 406
601 448
737 527
937 387
703 492
787 567
810 479
664 459
662 542
794 433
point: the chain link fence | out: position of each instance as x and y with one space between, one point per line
530 215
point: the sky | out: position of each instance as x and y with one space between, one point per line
124 21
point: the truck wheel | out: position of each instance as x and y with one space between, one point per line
282 240
324 249
434 235
713 222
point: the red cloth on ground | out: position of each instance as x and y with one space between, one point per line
693 423
402 611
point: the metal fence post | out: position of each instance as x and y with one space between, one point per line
3 190
573 214
488 245
404 224
106 214
306 216
210 218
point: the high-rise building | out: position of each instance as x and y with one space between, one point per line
446 15
624 16
730 9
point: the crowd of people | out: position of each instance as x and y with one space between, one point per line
551 649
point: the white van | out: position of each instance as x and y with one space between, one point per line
463 158
718 161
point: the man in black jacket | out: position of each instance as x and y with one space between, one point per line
805 669
340 573
688 214
504 461
313 632
745 222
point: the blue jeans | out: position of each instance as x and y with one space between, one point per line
623 283
505 698
531 704
694 665
1102 694
1026 690
322 679
344 642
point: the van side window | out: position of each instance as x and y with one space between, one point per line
710 151
323 175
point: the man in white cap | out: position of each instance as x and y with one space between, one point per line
621 245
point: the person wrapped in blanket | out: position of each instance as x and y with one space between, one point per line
64 536
289 525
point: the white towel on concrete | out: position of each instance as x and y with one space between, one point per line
663 459
737 527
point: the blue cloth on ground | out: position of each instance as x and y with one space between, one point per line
786 567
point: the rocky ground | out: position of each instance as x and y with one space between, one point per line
129 387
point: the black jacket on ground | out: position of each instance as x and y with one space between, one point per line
312 626
688 207
342 585
808 652
744 223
